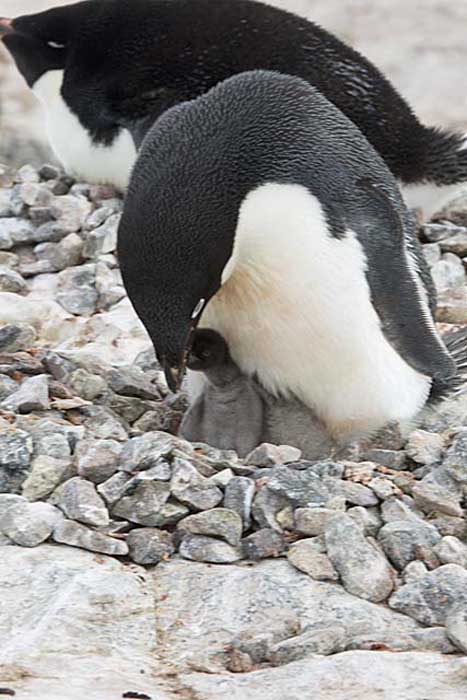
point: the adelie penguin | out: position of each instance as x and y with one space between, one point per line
105 69
260 211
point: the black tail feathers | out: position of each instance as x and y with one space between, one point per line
456 343
444 159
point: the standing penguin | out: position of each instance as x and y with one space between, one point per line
105 69
261 209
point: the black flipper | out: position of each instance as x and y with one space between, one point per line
398 292
456 343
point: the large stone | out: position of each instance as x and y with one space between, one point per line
33 395
300 487
78 535
144 503
149 545
80 501
218 522
238 497
455 462
312 521
451 550
363 569
97 460
191 488
424 447
305 556
208 549
28 524
46 474
64 609
16 336
431 598
401 540
262 544
15 458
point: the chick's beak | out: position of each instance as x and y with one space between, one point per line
6 26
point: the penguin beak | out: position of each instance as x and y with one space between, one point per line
173 375
175 371
6 26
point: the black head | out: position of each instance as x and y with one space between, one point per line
208 350
41 42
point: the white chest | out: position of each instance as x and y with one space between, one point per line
73 145
295 308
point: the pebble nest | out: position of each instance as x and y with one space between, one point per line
89 455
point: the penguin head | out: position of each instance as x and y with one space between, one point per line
41 42
208 350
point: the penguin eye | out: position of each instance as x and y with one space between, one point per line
55 45
205 354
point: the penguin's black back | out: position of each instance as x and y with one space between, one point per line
132 59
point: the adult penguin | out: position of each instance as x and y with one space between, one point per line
105 69
261 209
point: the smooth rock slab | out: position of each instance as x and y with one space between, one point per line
75 625
77 535
363 569
431 598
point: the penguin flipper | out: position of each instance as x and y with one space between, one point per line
398 291
456 343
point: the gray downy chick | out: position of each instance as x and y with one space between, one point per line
229 412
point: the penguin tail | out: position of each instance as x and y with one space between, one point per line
456 343
445 157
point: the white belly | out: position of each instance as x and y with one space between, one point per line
295 309
72 144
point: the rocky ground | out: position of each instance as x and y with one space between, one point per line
138 565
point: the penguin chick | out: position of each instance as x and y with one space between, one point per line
105 69
229 412
244 210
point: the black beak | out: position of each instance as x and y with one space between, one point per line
6 26
173 376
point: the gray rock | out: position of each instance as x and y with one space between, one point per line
217 522
265 455
103 423
238 497
450 550
455 462
364 571
149 545
11 281
79 500
432 253
15 231
400 509
323 641
222 479
431 497
452 306
46 474
401 540
144 504
103 239
448 525
27 173
86 385
132 382
192 489
208 549
299 487
312 521
55 257
393 459
114 488
15 459
34 195
262 544
14 337
48 172
97 460
144 452
76 290
431 598
33 395
8 259
305 556
424 447
50 441
448 273
414 571
266 508
28 524
71 211
7 385
456 626
78 535
383 488
356 494
368 518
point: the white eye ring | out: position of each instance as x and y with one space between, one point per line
198 308
55 45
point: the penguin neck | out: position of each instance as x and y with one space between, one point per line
295 310
73 144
